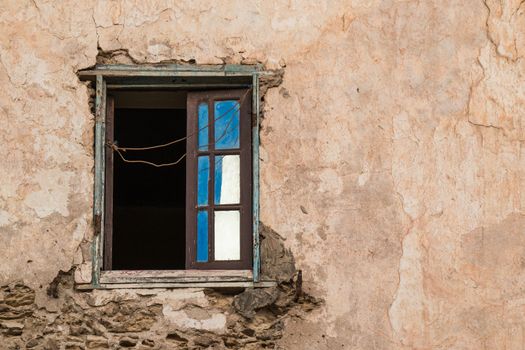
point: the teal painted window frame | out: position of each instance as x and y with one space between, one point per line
165 76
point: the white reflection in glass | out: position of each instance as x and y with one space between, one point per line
227 179
227 239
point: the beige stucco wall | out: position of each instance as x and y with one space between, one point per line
391 153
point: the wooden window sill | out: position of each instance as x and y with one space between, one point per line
176 279
175 285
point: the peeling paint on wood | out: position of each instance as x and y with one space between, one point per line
180 276
255 159
146 285
98 206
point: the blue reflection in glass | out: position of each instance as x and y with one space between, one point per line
218 179
203 177
226 124
203 126
202 236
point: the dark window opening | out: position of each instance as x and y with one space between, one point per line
149 202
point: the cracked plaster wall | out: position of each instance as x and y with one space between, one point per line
391 152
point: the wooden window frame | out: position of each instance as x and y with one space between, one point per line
245 152
109 168
171 76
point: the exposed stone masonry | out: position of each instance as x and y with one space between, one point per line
147 319
156 318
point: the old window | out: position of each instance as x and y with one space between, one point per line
175 174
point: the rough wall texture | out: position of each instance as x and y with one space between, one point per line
391 166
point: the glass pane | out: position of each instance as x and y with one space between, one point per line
203 126
202 236
203 177
227 178
227 235
226 124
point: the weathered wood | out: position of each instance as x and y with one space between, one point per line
108 185
154 73
169 71
143 75
176 276
255 170
177 86
183 67
98 201
214 285
204 80
180 273
166 74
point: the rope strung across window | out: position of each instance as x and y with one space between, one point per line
119 149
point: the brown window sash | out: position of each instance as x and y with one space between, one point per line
108 183
245 205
